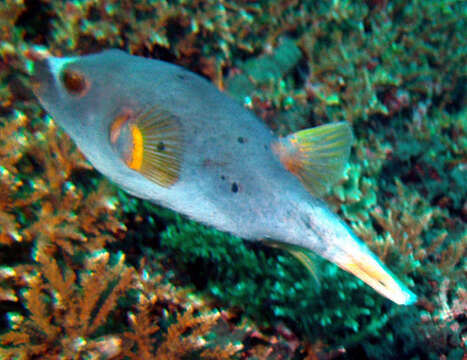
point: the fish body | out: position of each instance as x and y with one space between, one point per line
169 136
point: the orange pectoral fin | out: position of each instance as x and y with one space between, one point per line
136 159
149 142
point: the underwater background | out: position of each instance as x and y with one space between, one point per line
89 272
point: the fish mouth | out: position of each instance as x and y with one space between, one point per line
364 265
42 80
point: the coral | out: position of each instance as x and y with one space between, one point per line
189 30
66 312
177 343
403 225
69 311
161 305
43 182
10 152
400 44
10 10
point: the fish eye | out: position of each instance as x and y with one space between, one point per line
75 82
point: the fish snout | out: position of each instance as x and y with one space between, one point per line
43 81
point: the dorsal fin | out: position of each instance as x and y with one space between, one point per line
149 142
316 156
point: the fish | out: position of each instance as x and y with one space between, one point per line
169 136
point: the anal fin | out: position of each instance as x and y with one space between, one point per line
303 255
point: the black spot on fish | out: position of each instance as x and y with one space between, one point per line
181 76
234 187
222 177
241 140
160 146
307 222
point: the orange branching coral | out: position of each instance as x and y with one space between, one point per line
65 212
53 209
10 154
45 206
185 335
9 12
404 224
141 336
155 298
219 353
87 221
442 327
66 309
158 302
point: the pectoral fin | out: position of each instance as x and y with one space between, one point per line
149 142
